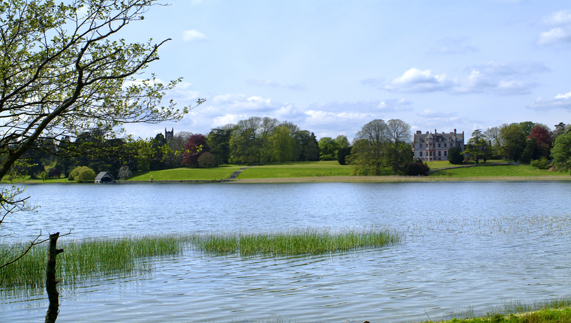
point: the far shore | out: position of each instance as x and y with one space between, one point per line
394 179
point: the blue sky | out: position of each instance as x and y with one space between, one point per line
332 66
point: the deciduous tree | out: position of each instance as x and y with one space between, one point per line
64 70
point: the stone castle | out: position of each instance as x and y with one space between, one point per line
434 146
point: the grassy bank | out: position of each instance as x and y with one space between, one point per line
551 311
293 243
498 171
187 174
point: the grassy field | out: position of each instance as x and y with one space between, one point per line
183 173
297 169
497 171
439 164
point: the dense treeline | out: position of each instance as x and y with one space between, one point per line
525 142
378 148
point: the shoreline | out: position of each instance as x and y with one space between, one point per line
335 179
397 179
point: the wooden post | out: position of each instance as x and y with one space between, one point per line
51 282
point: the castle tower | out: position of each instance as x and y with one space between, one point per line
169 135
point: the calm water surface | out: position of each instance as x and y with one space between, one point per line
465 244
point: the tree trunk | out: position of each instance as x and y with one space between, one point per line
51 282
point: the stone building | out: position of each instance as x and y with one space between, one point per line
434 146
169 135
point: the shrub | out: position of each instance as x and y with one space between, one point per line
82 174
541 163
416 168
342 153
54 173
207 159
124 172
455 155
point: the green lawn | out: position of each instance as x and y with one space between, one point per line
27 180
434 165
297 169
185 174
519 170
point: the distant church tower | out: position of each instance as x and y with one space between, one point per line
169 135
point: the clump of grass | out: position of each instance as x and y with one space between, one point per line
85 260
293 242
554 310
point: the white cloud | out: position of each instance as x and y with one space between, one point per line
560 34
495 77
193 35
555 36
416 80
562 17
560 101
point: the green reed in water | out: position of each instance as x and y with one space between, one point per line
87 259
90 259
293 242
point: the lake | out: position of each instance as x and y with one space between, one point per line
465 244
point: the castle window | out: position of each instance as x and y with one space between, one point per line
439 153
444 153
444 145
420 154
438 145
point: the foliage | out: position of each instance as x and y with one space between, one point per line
124 173
542 163
54 173
514 141
207 159
328 148
219 142
416 168
342 141
194 147
455 155
282 145
342 153
82 174
543 139
530 151
477 147
561 152
65 70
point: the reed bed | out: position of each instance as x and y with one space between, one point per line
86 260
92 259
292 242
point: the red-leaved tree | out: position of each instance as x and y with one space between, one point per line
543 138
194 147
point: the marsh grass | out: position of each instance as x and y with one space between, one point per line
94 259
292 242
86 260
553 310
